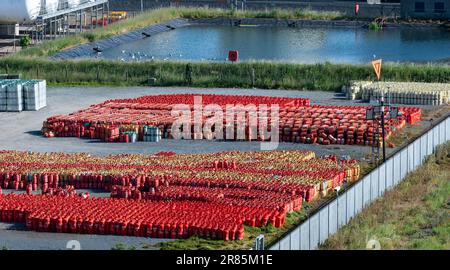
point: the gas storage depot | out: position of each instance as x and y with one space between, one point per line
118 132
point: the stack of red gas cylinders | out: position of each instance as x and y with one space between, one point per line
298 120
302 174
133 218
211 195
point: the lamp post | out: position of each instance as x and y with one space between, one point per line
382 124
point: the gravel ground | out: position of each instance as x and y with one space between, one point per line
21 131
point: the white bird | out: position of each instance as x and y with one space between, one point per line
123 51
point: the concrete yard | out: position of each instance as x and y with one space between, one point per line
21 131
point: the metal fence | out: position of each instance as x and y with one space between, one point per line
339 211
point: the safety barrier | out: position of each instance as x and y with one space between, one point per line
337 212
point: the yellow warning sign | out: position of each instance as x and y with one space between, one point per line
377 67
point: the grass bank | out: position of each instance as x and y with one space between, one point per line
414 215
267 75
163 14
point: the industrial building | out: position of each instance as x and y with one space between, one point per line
425 9
48 19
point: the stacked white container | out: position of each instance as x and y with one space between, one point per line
14 100
3 96
35 95
401 92
152 134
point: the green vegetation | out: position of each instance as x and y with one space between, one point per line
25 42
414 215
159 15
374 26
268 75
123 246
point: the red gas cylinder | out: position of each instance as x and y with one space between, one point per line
29 189
102 226
29 223
123 228
79 227
137 229
239 233
16 184
89 226
46 224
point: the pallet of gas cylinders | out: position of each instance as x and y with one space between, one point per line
104 132
18 95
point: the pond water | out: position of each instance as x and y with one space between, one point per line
301 45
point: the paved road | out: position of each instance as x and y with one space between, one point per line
14 236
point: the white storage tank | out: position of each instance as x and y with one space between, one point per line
19 11
51 6
73 3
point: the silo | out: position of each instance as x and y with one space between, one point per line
73 3
51 6
19 11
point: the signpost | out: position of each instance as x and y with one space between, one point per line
377 67
377 113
